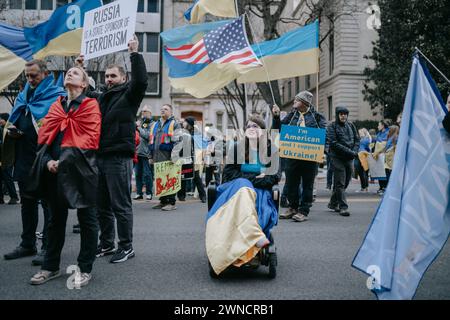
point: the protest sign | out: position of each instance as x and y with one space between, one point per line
108 29
167 178
302 143
376 167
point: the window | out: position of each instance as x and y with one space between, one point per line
140 6
31 4
307 82
60 3
47 4
140 37
219 121
330 108
152 5
331 53
297 85
152 86
289 90
152 42
15 4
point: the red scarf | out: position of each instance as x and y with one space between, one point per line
82 126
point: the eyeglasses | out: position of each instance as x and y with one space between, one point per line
255 126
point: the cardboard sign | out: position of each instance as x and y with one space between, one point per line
302 143
167 178
108 29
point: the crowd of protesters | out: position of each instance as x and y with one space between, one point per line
60 145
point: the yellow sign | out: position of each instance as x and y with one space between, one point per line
167 178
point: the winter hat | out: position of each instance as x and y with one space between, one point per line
305 96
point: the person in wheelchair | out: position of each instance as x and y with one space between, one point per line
242 211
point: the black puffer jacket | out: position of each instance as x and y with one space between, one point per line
342 138
119 106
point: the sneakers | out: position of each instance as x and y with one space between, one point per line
148 197
299 217
101 252
284 202
122 255
39 258
39 235
138 197
158 206
81 279
168 207
288 214
43 276
20 252
333 208
76 228
203 200
344 212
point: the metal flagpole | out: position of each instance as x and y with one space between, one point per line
446 79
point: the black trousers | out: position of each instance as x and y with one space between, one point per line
30 217
114 200
363 175
211 171
6 178
87 218
198 183
342 175
304 172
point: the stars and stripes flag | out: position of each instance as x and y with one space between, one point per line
227 44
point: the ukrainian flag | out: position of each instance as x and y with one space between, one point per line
61 34
219 8
295 53
14 53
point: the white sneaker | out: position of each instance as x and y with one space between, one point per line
81 279
168 207
149 197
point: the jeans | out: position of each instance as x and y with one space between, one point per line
304 172
87 218
144 176
114 200
342 175
30 218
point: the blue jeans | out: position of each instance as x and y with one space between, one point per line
144 175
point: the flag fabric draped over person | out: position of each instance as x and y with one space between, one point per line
61 34
204 58
14 53
219 8
412 222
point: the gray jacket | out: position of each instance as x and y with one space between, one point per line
144 135
160 152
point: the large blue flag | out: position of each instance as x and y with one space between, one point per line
61 34
412 222
14 53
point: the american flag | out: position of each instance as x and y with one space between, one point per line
227 44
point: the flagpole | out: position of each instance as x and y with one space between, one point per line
417 49
317 91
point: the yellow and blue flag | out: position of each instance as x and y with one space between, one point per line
14 53
412 222
219 8
203 58
295 53
61 34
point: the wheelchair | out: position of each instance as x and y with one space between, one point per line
267 256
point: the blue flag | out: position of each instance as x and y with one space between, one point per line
412 223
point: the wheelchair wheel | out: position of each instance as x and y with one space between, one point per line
272 265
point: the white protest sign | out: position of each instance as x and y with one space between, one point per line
108 29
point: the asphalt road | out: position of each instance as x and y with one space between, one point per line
314 259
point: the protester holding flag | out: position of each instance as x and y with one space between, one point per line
19 151
380 147
361 164
300 171
161 145
344 145
390 150
119 105
65 173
